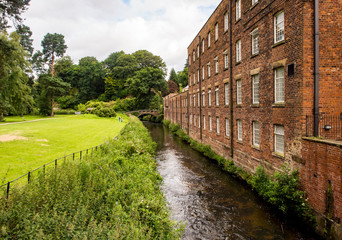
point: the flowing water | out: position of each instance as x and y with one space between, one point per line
210 203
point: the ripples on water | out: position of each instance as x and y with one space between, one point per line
211 203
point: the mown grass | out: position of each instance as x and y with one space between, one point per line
51 138
12 119
113 195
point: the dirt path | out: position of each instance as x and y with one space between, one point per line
2 124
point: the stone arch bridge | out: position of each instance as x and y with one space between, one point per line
142 113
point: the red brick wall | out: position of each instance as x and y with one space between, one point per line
323 162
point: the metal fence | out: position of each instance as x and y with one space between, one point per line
330 126
18 183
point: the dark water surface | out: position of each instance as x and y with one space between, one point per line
208 201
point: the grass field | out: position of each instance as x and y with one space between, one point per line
22 119
27 145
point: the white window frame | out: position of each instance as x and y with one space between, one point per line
193 56
199 98
209 97
203 72
238 10
238 51
279 139
279 27
189 59
194 80
254 2
226 94
279 85
203 45
190 100
256 134
226 59
203 98
199 121
198 75
217 125
194 120
255 89
203 122
239 91
217 96
190 119
216 65
210 124
226 22
209 39
216 31
198 51
227 128
194 100
255 41
239 130
209 72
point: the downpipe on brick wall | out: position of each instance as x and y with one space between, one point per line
231 82
316 70
200 87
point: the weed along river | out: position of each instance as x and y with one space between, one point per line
210 203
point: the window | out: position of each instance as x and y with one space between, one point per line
209 40
194 120
226 22
216 31
194 78
199 121
190 119
279 27
226 94
256 134
204 122
203 46
194 100
189 60
203 98
225 58
189 80
238 51
198 75
279 85
210 124
217 96
209 98
186 101
238 9
279 144
203 74
255 89
254 2
190 100
198 51
199 98
238 92
209 74
227 128
217 125
239 130
216 65
255 42
193 56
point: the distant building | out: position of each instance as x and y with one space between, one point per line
258 73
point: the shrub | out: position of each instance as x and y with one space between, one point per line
104 112
160 118
135 114
166 122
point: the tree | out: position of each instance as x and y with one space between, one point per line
51 87
12 9
183 76
111 61
173 87
53 46
146 59
25 38
14 91
173 76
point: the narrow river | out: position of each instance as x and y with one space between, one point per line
210 203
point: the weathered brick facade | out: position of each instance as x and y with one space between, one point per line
269 92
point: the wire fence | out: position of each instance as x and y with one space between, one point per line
330 126
17 184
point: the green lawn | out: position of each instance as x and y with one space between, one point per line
43 141
12 119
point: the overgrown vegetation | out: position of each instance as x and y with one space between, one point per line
113 195
281 190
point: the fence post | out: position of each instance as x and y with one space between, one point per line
28 177
8 189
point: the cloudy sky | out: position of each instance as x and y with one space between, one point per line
100 27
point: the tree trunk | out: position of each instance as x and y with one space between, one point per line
21 114
52 63
1 117
52 103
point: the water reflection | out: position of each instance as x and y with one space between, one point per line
211 203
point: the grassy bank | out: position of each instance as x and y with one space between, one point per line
281 190
28 145
113 195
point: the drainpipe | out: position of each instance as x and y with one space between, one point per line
200 86
316 87
231 82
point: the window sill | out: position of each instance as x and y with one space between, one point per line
237 63
253 6
216 40
225 69
278 44
278 105
239 106
217 106
217 134
226 105
239 141
216 73
236 21
278 155
256 147
255 55
227 137
255 105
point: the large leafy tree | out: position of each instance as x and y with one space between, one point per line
11 10
26 40
183 76
53 46
14 91
146 59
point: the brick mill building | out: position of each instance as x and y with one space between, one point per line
264 78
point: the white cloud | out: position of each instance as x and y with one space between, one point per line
98 28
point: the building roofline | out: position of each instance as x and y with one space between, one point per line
206 22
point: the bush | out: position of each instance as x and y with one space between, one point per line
65 112
135 114
104 112
160 118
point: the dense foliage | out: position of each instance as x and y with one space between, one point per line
11 10
113 195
